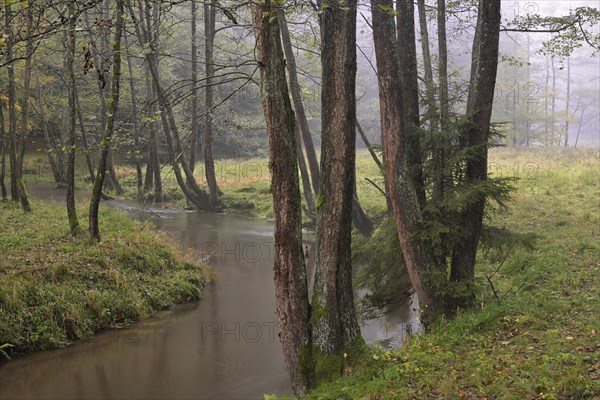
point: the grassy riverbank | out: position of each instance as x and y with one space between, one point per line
541 340
55 288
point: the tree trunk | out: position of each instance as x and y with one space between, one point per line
407 51
195 131
335 328
25 111
429 83
309 146
209 162
443 64
71 209
291 288
51 148
113 106
12 113
567 116
464 254
84 142
418 255
304 176
3 142
553 107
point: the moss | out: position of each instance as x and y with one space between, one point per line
327 366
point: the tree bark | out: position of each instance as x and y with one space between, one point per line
309 146
70 170
291 288
209 43
464 254
407 51
335 328
418 254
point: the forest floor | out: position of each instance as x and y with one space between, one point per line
55 288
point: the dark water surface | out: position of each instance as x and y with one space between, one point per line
222 347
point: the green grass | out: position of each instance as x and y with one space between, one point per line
543 339
55 288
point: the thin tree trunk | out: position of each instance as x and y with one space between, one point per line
527 117
464 254
84 142
429 83
113 106
52 149
195 131
546 129
309 146
209 163
335 328
12 109
25 111
553 107
418 255
443 64
304 176
578 128
567 116
3 142
71 45
291 289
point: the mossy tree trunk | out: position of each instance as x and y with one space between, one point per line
291 288
71 144
113 106
335 328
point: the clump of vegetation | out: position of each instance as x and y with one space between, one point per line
537 336
55 288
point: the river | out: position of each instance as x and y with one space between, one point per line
222 347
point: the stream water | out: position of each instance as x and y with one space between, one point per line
224 346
